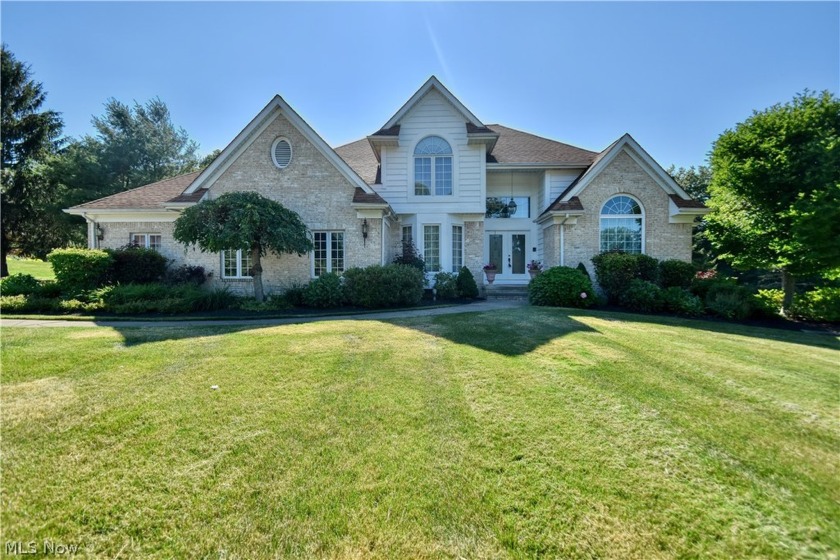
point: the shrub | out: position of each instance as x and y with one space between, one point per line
160 298
79 269
137 265
768 303
465 284
27 304
582 267
675 273
642 295
682 302
822 304
75 305
325 291
49 289
446 284
185 274
410 256
394 285
294 295
272 303
561 286
701 285
615 271
19 285
730 301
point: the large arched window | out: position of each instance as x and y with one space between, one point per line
433 167
622 225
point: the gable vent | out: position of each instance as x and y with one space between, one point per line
281 153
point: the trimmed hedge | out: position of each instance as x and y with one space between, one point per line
136 265
393 285
615 271
675 273
730 301
643 296
79 269
325 291
681 302
561 286
19 285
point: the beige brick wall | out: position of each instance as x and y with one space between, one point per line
551 246
624 176
474 251
310 185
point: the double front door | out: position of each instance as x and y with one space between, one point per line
508 250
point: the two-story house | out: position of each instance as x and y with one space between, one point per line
465 192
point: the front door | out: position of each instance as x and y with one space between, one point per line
508 250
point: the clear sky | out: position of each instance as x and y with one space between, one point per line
674 75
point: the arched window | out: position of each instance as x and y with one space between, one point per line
433 167
622 225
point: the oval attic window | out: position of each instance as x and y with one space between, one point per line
281 153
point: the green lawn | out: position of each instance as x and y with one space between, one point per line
39 269
509 434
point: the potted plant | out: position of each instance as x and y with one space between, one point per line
490 272
534 268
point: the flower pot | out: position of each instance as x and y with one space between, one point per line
533 273
491 276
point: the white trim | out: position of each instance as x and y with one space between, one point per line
432 82
647 163
643 216
239 274
329 233
412 193
535 166
147 239
274 152
246 137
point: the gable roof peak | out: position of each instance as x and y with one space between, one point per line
433 83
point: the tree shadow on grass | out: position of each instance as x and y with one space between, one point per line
509 332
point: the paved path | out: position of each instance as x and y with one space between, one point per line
471 308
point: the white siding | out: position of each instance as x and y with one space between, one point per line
556 181
433 115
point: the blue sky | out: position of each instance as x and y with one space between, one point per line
674 75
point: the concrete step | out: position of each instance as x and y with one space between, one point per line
506 292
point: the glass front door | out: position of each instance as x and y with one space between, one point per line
509 252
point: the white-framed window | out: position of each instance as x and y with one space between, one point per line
281 152
407 234
457 248
622 225
508 207
431 247
236 264
433 167
147 240
328 254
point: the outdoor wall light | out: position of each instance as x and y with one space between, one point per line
365 230
100 233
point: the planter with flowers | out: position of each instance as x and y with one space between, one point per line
534 268
490 272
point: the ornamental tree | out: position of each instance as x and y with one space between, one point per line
775 191
243 221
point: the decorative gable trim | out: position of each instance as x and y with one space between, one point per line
433 82
632 148
251 132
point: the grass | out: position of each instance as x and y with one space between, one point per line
510 434
38 269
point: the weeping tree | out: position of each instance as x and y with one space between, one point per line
244 221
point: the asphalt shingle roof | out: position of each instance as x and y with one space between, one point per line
516 146
152 196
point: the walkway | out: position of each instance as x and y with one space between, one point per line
471 308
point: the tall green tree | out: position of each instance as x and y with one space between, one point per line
244 221
29 136
695 181
775 190
137 145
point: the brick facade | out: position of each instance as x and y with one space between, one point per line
623 175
